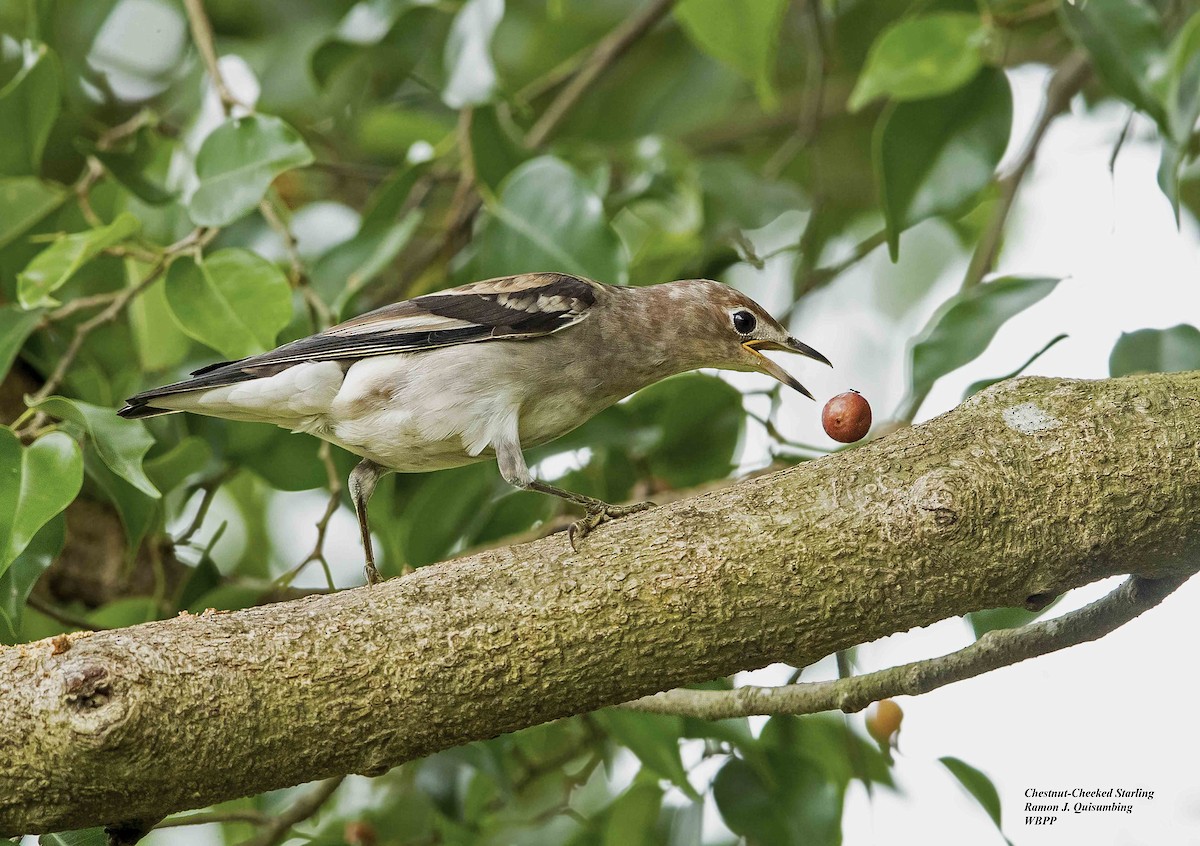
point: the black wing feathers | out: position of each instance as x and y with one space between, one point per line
512 307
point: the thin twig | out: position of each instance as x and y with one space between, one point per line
814 96
210 488
457 221
206 817
608 50
202 36
1069 78
995 649
334 481
59 615
303 808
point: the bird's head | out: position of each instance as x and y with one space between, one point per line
734 331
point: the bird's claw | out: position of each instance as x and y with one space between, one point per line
598 514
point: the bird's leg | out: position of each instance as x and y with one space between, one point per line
363 479
596 511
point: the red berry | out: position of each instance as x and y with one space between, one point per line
847 417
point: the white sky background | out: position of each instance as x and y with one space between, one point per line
1115 713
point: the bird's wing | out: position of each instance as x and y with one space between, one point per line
510 307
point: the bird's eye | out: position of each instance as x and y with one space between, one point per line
744 322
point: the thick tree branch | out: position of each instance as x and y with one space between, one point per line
995 649
1029 488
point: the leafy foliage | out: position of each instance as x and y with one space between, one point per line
358 153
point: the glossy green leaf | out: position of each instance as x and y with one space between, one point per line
18 580
976 387
29 105
921 57
444 508
16 324
233 300
175 466
159 341
54 266
470 70
1125 42
36 483
697 420
137 510
965 325
1156 351
26 200
654 738
742 35
237 163
343 271
121 444
495 153
933 157
978 785
548 218
81 837
788 805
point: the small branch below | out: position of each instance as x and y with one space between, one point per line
998 648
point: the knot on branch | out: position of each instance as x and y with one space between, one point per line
93 706
937 498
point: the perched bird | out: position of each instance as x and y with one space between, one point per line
482 371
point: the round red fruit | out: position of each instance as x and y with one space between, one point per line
847 417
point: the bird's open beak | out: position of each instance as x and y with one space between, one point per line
773 370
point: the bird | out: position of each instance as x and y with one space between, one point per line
482 371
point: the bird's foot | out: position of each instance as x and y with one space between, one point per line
599 513
373 577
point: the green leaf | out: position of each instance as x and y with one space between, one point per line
347 268
1181 93
633 815
1156 351
81 837
442 510
237 163
922 57
54 266
141 163
470 71
1125 41
743 36
654 738
233 300
16 324
159 341
985 621
978 785
17 582
26 200
29 105
698 422
976 387
175 466
494 152
965 325
548 218
789 804
934 157
120 443
36 483
1183 82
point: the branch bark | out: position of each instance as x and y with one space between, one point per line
1027 489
